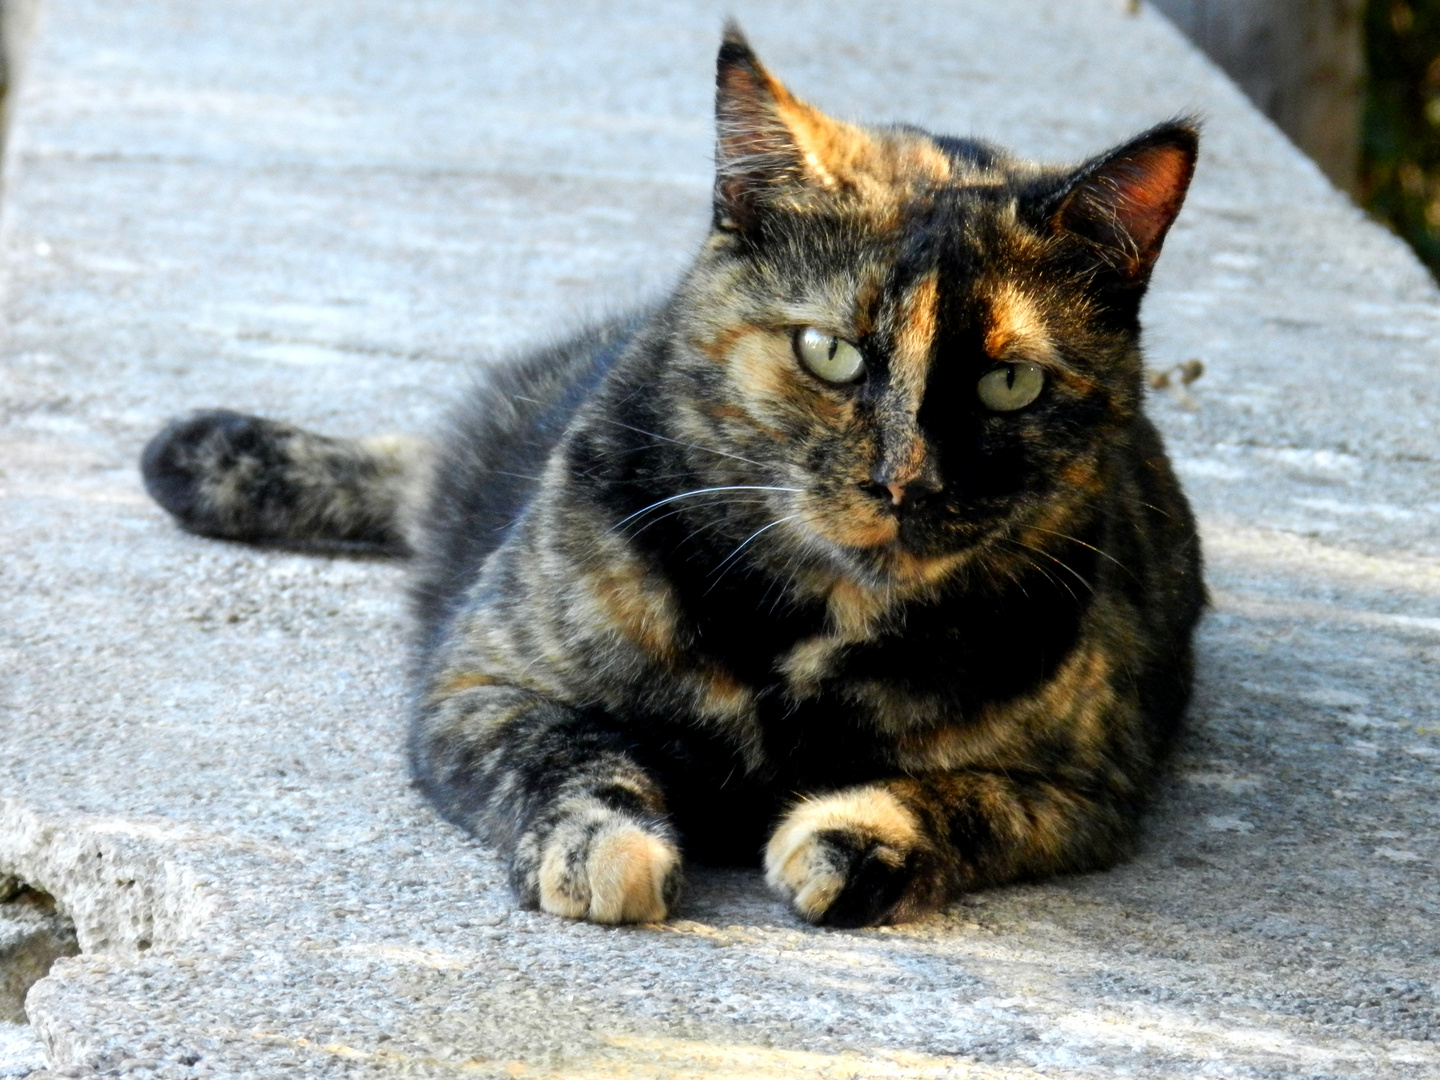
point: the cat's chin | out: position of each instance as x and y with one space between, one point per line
875 552
899 565
856 529
896 567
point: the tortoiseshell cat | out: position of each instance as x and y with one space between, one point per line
858 549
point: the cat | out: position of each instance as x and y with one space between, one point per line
856 555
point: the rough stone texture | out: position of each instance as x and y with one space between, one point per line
327 211
21 1054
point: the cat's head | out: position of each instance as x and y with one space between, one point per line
931 342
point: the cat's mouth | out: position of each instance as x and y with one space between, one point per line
862 531
884 544
849 519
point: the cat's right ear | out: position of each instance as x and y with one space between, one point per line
768 143
1120 205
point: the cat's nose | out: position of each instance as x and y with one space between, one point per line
903 494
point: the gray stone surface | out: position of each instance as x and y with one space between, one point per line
21 1054
328 212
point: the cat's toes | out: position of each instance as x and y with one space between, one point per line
197 468
609 871
853 858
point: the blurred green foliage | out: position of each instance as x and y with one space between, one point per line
1400 145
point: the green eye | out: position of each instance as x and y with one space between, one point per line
829 358
1011 386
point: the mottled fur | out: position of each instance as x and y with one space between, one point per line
677 594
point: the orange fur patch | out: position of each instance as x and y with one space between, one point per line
723 342
762 368
809 662
925 570
880 168
951 747
1082 475
464 680
726 412
840 154
1077 699
723 696
627 869
868 293
850 523
1017 328
915 338
633 605
854 610
1056 520
623 874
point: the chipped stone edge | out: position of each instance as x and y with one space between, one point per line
124 883
119 880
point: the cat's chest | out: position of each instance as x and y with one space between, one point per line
891 683
848 675
935 665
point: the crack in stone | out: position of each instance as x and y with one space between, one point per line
34 933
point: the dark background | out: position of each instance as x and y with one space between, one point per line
1355 83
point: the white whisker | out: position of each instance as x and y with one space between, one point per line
732 556
700 491
718 502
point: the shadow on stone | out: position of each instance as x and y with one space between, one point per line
33 935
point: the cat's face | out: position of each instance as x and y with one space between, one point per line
928 343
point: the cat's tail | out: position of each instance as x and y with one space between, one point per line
238 477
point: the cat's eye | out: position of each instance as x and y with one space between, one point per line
830 358
1011 386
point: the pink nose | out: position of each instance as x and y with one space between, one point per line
908 493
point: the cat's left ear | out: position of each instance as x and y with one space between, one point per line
1122 204
770 146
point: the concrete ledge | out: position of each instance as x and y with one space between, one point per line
327 212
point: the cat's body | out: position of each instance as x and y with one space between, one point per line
858 550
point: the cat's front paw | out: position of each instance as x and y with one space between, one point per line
605 867
856 857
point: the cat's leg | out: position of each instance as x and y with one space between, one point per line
893 850
237 477
583 827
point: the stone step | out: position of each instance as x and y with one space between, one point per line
329 212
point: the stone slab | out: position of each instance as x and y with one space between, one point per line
330 212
